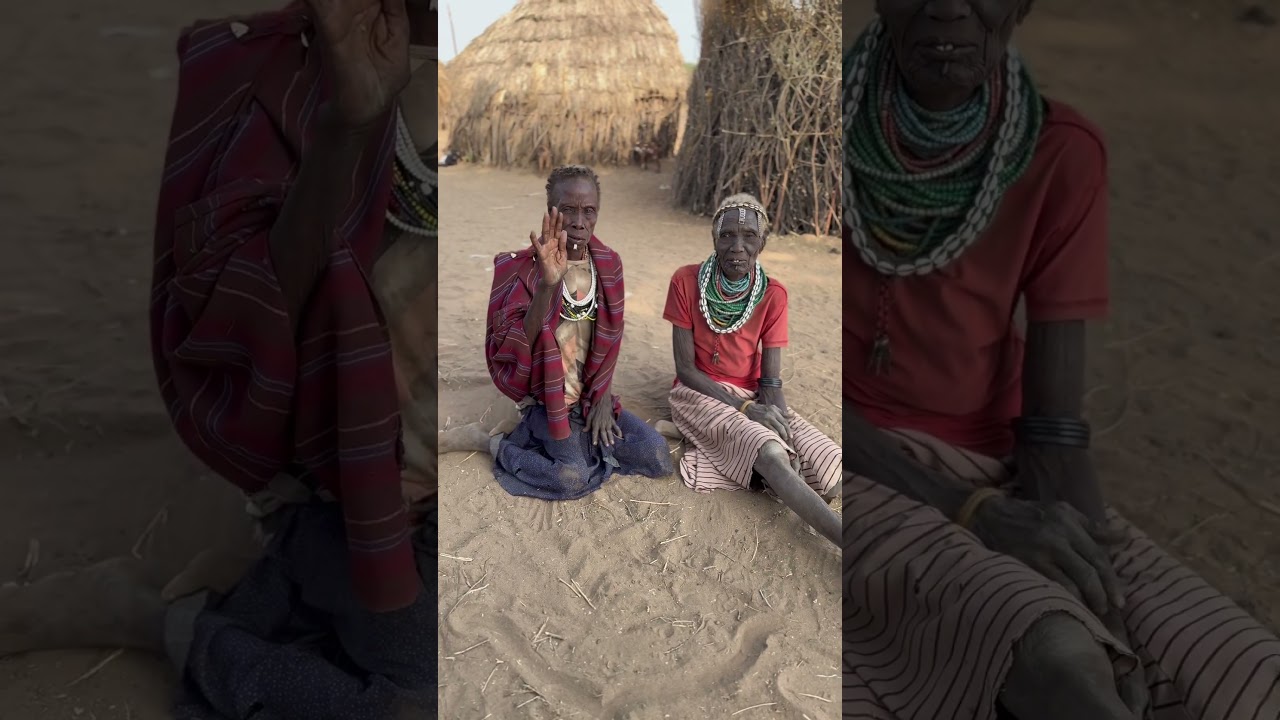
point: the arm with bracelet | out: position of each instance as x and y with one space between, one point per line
1052 450
769 384
688 374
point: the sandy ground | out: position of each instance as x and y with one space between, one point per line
1183 374
700 605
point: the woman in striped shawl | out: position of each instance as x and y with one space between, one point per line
552 339
984 576
729 326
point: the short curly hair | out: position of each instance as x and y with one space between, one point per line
564 173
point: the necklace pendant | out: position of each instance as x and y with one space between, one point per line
715 358
878 362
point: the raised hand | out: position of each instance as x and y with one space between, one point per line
366 43
550 248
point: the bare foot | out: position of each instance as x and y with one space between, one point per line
668 430
109 605
1060 672
218 569
472 437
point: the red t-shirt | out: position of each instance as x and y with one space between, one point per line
739 351
956 352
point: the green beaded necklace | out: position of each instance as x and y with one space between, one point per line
922 186
728 306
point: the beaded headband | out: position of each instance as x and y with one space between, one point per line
742 208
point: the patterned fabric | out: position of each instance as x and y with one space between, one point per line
931 616
248 396
531 463
521 368
726 443
291 640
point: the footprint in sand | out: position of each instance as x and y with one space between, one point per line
614 702
534 514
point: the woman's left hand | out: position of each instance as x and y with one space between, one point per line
602 425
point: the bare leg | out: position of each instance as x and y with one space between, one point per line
774 465
1060 672
111 604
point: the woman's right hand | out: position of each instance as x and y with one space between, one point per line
550 248
366 44
1057 541
770 417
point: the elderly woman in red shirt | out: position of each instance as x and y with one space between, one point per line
984 575
729 327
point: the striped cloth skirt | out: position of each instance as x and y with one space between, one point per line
725 443
931 616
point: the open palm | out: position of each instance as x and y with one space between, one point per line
550 248
367 45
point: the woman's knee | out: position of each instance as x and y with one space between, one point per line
772 453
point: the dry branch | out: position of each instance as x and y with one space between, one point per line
764 112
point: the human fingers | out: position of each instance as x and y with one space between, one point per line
1054 573
1083 540
783 430
777 426
548 225
1085 578
597 429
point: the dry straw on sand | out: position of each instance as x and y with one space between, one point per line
583 80
764 112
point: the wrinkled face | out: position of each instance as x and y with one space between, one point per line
738 242
579 203
946 49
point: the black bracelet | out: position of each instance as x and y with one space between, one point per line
1063 432
770 382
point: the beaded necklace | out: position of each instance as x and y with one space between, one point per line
922 186
584 309
725 309
413 188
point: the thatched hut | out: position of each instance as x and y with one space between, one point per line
444 98
572 81
764 112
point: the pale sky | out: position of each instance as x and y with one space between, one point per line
471 17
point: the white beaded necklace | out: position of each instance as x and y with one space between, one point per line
584 309
426 178
757 293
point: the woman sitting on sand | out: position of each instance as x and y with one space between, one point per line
552 340
978 581
729 328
